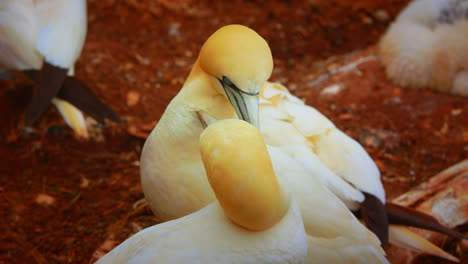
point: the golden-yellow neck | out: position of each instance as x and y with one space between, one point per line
241 174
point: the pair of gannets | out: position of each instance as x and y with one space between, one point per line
172 174
254 219
427 46
312 156
44 38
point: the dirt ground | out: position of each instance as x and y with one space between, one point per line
63 198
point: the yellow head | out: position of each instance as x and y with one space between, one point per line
241 174
241 61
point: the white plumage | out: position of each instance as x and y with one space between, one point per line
32 30
427 46
208 236
61 30
18 34
245 185
326 153
326 218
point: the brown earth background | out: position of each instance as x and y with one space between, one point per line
63 198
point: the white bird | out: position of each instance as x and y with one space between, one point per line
253 221
427 46
233 65
44 38
341 164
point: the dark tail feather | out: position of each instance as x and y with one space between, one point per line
49 81
400 215
375 217
82 97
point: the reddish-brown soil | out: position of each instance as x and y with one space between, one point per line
136 57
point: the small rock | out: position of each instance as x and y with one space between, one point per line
345 116
129 77
394 100
444 128
174 30
133 97
28 130
456 111
378 138
128 66
332 89
144 61
45 199
367 20
180 63
84 182
381 15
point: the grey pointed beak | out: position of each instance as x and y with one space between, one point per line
245 104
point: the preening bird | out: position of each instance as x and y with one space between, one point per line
226 80
254 220
427 46
44 38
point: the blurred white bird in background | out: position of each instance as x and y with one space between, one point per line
44 38
427 46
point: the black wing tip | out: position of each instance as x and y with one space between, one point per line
49 81
104 113
78 94
375 217
53 81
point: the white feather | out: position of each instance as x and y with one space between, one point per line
329 218
18 33
208 236
32 30
340 250
329 155
61 30
427 46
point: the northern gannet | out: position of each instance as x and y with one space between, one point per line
342 165
172 174
253 220
227 78
427 46
44 39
